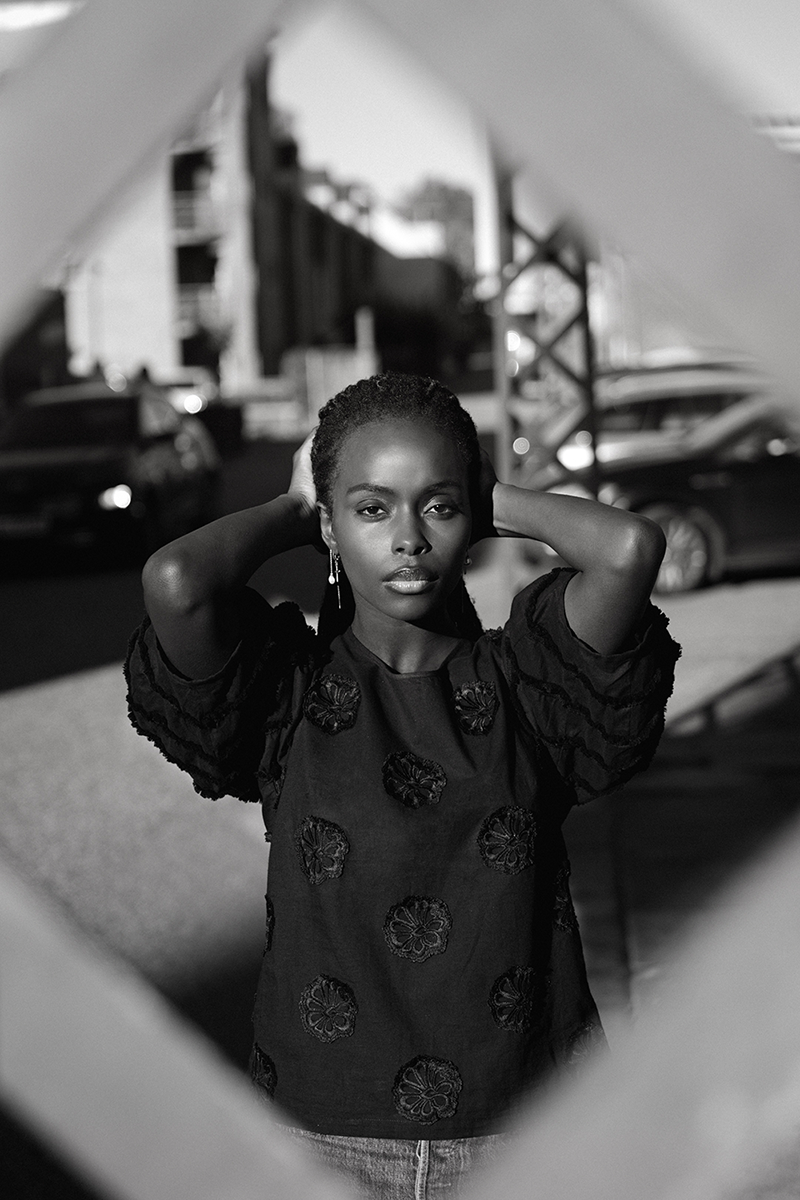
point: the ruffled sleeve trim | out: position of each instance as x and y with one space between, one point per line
599 716
215 728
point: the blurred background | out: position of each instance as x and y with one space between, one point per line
331 206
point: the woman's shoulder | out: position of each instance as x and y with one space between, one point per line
600 715
538 617
215 727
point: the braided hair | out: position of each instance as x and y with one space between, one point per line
395 396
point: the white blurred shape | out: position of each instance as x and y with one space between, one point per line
30 15
115 497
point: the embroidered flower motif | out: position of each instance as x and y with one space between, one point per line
328 1009
323 847
412 780
417 928
262 1071
270 927
271 779
426 1090
515 999
476 706
506 839
564 917
331 703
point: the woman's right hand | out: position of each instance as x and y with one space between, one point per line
302 481
301 485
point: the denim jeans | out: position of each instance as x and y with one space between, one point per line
397 1169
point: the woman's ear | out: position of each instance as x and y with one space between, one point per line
326 526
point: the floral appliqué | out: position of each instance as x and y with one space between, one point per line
506 840
417 928
515 999
476 706
271 781
426 1090
262 1072
270 924
564 917
328 1009
323 847
332 703
412 780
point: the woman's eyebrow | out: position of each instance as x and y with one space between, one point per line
440 485
369 487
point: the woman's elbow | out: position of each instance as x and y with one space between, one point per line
642 547
167 582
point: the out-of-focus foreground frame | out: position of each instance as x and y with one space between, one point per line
643 151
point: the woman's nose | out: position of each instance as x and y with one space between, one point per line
410 537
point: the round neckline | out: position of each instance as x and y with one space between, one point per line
354 644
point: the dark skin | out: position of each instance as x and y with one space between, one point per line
401 519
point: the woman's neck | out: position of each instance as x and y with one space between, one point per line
406 649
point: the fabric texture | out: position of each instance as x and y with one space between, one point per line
422 965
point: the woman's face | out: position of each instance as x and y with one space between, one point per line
401 519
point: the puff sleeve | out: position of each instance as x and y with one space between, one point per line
598 717
216 729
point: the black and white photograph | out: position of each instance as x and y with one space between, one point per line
400 600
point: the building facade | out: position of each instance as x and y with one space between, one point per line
220 262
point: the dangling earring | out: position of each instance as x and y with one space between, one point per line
467 563
333 575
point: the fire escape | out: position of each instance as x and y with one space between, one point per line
544 351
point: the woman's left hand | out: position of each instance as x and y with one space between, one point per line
483 517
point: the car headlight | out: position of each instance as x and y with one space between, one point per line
117 497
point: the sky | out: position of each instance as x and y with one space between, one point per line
367 108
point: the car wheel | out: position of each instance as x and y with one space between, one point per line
688 561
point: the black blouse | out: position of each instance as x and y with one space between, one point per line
422 963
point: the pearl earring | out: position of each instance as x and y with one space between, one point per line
333 575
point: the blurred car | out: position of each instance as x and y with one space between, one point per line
636 412
193 391
726 494
85 464
190 390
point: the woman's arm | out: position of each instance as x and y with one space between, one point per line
191 584
617 554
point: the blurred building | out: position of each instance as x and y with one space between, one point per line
228 257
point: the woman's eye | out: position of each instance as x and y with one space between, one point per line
370 510
442 508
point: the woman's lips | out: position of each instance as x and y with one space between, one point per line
410 580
